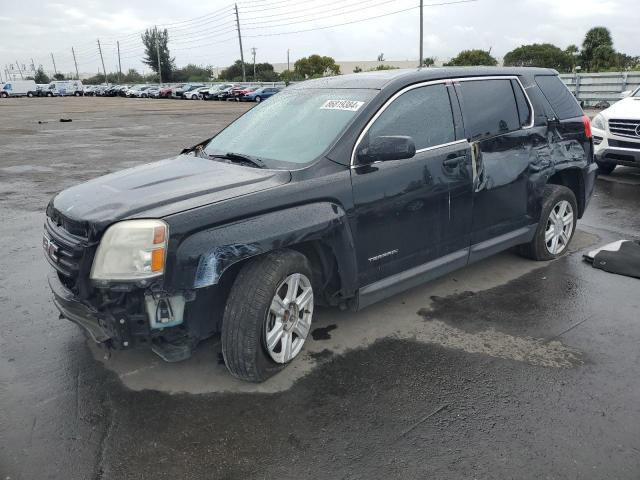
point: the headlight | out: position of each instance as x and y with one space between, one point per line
131 250
599 122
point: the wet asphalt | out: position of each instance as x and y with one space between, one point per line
456 391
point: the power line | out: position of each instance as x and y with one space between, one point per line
330 15
360 20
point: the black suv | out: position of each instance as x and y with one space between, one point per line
339 191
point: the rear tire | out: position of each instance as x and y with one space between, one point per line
557 224
605 168
261 305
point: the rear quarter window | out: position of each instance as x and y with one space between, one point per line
564 104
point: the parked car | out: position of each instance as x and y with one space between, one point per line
153 92
259 94
195 94
241 92
372 183
213 92
616 133
64 88
179 92
167 91
18 88
144 91
230 93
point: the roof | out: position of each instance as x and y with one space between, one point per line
380 78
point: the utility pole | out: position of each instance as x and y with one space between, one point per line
158 53
75 63
288 68
421 31
244 75
253 52
33 66
55 70
106 80
119 64
19 71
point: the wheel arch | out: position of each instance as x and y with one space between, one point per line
571 178
320 231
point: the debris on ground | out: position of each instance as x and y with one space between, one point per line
621 257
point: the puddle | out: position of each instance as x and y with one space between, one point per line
323 333
393 318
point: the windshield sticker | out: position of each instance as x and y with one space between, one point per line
349 105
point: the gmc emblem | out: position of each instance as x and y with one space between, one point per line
50 248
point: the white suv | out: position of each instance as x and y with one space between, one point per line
616 133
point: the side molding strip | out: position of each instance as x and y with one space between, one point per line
413 277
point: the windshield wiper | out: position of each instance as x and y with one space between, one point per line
239 158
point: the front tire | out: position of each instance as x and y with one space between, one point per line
605 168
258 99
268 315
556 226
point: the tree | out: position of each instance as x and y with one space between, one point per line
471 58
429 62
58 76
192 73
155 41
40 76
381 57
316 66
539 55
597 49
264 72
357 69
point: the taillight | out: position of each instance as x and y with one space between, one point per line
587 126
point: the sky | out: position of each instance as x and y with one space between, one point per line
204 32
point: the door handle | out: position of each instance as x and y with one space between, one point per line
452 162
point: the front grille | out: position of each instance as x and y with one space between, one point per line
69 254
626 128
623 144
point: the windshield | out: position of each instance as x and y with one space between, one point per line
293 128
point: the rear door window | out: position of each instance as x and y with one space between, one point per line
562 101
423 114
489 108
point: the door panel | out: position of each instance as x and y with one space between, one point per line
408 212
503 152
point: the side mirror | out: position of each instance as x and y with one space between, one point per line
395 147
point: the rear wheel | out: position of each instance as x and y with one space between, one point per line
268 315
605 168
556 226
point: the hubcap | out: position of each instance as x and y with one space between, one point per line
289 318
559 227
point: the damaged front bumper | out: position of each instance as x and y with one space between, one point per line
103 327
118 329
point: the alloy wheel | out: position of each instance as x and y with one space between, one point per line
289 318
559 227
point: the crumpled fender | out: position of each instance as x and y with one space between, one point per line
202 258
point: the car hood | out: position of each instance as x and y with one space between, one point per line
627 108
162 188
